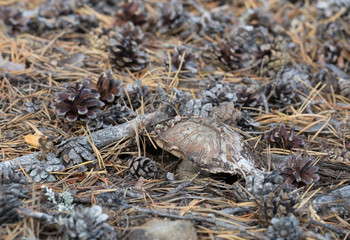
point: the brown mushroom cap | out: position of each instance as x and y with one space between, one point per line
208 144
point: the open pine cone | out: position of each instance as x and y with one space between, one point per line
125 48
231 54
297 171
188 65
248 96
142 167
275 204
172 18
135 93
78 102
115 114
129 12
108 87
98 37
289 81
273 57
13 18
282 139
90 223
286 228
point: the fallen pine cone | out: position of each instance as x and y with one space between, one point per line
297 171
282 139
78 102
142 167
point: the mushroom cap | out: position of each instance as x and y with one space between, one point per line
208 144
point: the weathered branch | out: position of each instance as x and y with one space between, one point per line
100 138
202 219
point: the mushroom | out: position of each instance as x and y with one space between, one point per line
209 144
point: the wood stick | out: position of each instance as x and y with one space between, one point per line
100 138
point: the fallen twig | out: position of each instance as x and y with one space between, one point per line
37 215
327 226
100 138
238 226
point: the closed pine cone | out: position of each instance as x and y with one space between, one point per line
125 48
142 167
9 202
8 175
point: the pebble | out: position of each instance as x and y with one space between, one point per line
157 229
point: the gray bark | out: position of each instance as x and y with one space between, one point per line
100 138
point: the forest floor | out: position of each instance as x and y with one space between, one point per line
278 72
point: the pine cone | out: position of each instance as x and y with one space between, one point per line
288 81
282 94
327 77
98 38
339 155
90 223
116 114
264 183
142 167
172 18
54 8
248 96
230 54
13 18
188 65
275 205
33 106
286 228
226 112
282 139
110 199
219 93
125 48
108 87
344 85
78 102
135 93
75 151
329 52
172 104
272 56
196 107
40 171
8 175
129 12
297 171
9 202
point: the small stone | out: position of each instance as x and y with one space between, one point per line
170 177
164 229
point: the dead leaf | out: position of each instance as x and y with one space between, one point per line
32 140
